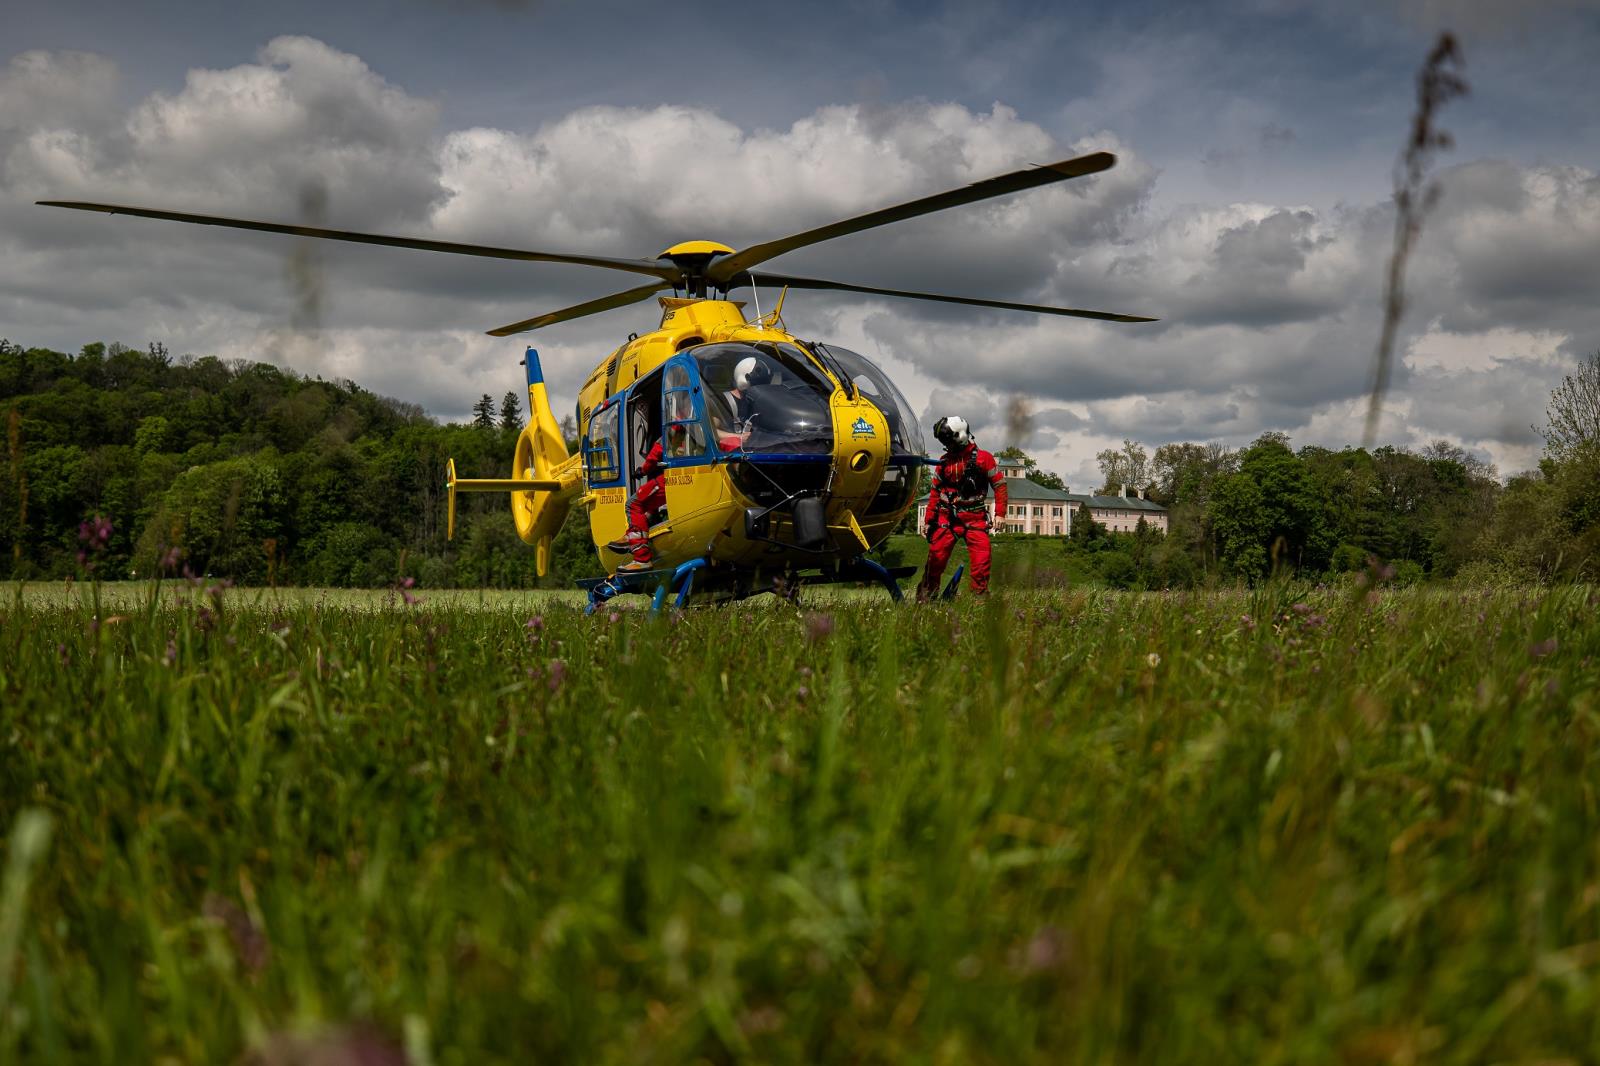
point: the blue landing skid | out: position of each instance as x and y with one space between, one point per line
954 583
863 569
659 584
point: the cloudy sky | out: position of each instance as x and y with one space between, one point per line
1250 211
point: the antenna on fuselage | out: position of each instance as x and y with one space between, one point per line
755 294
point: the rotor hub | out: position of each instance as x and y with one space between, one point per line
692 258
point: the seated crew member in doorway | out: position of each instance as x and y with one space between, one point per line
957 506
650 498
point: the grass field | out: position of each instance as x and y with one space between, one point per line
1293 825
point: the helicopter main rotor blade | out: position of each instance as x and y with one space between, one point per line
729 267
971 301
592 307
665 271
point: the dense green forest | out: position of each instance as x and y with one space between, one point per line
128 462
250 472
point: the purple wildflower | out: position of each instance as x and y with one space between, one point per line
818 625
249 940
95 533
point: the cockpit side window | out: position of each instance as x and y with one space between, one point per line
601 447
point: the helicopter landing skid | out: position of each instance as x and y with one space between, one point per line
656 583
954 583
863 569
679 582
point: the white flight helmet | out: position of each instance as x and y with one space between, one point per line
750 371
953 432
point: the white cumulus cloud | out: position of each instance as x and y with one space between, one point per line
1269 310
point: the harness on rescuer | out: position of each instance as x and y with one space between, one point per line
971 489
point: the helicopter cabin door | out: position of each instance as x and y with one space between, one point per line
644 430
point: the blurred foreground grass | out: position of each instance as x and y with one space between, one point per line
1290 825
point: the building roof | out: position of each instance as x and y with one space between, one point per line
1020 488
1126 503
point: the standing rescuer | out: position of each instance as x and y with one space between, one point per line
958 505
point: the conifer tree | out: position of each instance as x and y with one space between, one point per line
483 412
510 412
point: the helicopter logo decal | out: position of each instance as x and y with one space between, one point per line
862 429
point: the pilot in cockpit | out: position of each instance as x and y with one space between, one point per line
748 372
734 418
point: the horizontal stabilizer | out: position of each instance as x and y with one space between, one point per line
455 484
503 484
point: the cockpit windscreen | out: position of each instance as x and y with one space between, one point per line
765 398
905 435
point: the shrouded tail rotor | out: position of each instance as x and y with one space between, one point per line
542 456
544 478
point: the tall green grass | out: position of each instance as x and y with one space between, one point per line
1282 826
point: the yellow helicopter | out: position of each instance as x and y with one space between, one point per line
784 461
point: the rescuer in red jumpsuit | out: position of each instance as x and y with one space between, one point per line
650 497
957 507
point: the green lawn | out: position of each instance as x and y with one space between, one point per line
127 595
1292 825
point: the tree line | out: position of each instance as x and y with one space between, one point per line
127 463
1406 515
245 470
